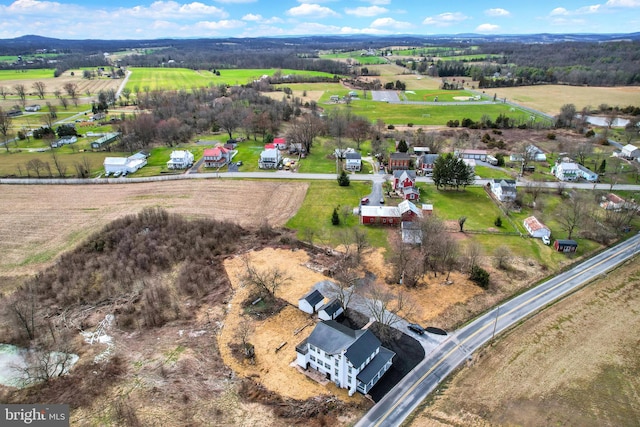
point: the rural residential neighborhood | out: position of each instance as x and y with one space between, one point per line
320 230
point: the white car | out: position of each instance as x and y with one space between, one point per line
546 240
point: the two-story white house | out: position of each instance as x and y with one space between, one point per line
570 171
180 159
270 159
504 189
352 359
353 161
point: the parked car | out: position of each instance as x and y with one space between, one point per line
116 174
364 201
239 163
416 328
382 201
546 240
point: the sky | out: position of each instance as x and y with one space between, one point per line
137 19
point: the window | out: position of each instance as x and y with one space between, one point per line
349 369
336 362
371 219
384 220
313 359
335 372
348 379
326 365
312 348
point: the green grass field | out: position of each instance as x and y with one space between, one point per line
443 95
356 57
402 114
315 213
40 73
183 78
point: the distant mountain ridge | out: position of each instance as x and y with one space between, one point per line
40 42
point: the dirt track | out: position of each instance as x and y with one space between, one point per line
40 221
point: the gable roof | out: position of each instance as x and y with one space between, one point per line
353 156
533 224
429 158
409 174
406 206
372 369
215 152
399 156
333 338
332 307
313 297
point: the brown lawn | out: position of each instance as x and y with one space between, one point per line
41 221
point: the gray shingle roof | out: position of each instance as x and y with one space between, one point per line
313 297
331 307
370 371
332 337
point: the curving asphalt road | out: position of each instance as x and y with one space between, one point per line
396 406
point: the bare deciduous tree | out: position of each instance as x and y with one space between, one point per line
269 279
347 279
502 257
21 91
60 167
40 89
5 125
304 130
3 92
37 166
573 212
472 252
387 308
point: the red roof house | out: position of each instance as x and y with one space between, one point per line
216 157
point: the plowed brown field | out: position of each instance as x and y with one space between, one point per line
38 222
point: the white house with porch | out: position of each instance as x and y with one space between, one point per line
180 159
352 359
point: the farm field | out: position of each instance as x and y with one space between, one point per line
41 221
183 78
573 364
550 98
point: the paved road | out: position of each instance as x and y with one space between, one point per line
394 408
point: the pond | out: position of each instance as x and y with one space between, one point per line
14 361
602 121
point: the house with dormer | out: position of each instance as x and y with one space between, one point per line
353 359
504 189
426 163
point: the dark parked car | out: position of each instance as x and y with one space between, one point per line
364 201
417 328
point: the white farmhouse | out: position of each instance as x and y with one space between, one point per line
180 159
270 159
352 359
504 189
353 161
124 164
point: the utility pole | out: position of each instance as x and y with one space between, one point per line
495 324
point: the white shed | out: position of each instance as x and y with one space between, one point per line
630 151
311 302
535 228
331 310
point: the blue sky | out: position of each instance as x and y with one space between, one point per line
118 19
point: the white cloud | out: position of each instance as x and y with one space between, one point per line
623 3
225 24
497 12
366 11
390 23
445 19
252 17
487 28
310 9
235 1
377 2
172 9
585 10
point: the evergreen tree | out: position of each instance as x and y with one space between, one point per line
343 179
603 166
402 146
335 218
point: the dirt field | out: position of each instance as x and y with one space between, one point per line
41 221
576 364
550 98
57 84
